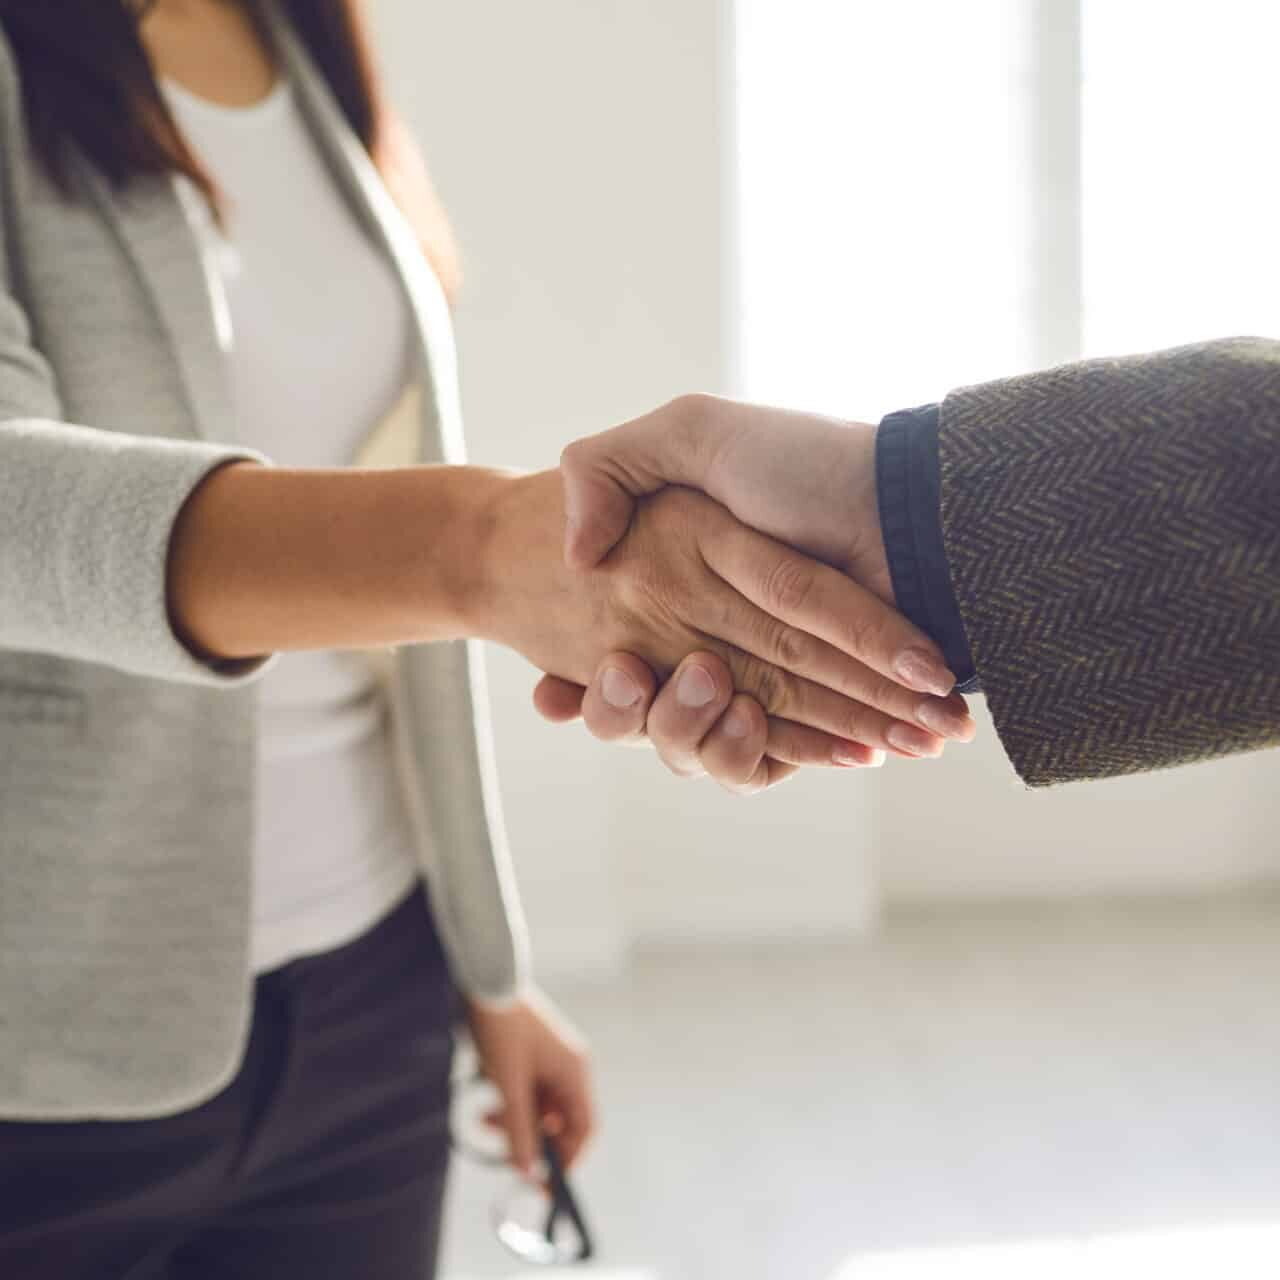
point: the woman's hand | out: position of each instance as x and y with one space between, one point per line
696 722
727 737
539 1064
810 646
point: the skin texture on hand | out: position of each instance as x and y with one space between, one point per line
808 644
806 479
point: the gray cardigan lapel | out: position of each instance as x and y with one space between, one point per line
157 234
354 171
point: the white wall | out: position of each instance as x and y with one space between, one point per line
579 146
964 829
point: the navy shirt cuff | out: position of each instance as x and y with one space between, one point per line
908 488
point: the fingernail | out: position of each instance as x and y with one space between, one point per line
695 688
877 760
907 738
849 757
619 689
924 673
945 722
737 724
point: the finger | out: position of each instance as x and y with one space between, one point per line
815 599
790 697
686 709
552 1122
801 745
618 699
733 750
520 1122
577 1113
557 700
796 676
764 631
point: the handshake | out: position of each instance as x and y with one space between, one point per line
755 590
742 616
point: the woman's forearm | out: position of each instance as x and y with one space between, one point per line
267 558
264 559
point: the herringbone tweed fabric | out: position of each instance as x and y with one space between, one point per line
1113 531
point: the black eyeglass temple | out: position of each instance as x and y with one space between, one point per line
562 1199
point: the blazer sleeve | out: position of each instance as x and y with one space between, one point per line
1113 535
85 513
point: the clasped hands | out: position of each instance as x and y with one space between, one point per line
740 610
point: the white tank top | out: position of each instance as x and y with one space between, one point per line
319 353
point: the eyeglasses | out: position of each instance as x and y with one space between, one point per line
540 1223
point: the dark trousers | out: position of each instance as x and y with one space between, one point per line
325 1157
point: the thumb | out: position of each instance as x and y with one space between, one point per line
606 473
520 1120
558 700
597 503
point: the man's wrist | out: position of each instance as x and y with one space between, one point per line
908 483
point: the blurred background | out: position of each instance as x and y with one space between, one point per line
921 1023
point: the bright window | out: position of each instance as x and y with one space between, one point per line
933 193
1181 110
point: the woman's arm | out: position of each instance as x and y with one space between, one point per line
266 559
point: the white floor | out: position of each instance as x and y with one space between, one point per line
1006 1079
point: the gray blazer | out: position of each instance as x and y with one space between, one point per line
126 764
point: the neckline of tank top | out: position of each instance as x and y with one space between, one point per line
266 108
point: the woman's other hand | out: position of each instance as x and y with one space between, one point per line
539 1064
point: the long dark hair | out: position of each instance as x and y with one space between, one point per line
89 86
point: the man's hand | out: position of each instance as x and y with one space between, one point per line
804 479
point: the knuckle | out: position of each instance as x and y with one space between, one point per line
677 505
771 687
692 406
862 634
575 454
787 584
792 647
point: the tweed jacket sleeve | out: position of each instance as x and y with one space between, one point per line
85 513
1113 535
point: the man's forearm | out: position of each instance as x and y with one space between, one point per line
1099 543
1112 532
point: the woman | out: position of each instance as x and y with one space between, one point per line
227 1001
